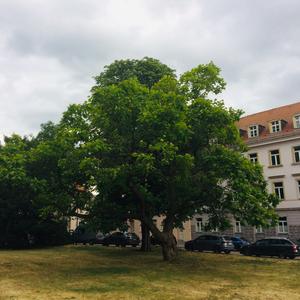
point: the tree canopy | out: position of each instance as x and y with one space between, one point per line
25 201
165 149
147 71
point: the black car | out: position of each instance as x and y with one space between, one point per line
238 242
83 234
121 239
281 247
216 243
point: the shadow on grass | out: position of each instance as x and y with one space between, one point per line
113 286
116 252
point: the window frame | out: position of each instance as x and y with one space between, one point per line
274 126
282 226
298 186
259 229
296 119
199 221
294 154
281 193
253 131
253 160
278 158
237 226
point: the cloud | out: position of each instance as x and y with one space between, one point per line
49 50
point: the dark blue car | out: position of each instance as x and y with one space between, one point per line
238 242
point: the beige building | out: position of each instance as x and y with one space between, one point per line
273 139
181 235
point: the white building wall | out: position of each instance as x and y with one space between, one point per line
288 172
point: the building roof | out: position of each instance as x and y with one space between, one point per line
284 113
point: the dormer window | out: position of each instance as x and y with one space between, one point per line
253 131
297 121
275 126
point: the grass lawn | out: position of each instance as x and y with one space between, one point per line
95 272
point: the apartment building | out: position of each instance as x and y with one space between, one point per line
273 139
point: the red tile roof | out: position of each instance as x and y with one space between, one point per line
263 118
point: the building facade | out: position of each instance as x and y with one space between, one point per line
273 139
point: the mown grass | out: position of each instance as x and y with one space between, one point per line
95 272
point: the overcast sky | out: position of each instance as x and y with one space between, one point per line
50 49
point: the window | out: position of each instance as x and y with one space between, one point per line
259 229
262 243
296 153
282 225
297 121
199 225
275 126
298 182
278 189
276 242
253 157
181 234
275 157
253 131
238 226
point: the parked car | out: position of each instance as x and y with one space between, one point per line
121 239
99 238
238 242
85 235
281 247
216 243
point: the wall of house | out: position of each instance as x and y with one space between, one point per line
181 235
288 173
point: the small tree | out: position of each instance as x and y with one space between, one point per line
167 151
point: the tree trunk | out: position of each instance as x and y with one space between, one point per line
169 246
146 245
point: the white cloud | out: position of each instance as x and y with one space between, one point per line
50 49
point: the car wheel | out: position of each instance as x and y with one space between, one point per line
281 256
227 251
291 257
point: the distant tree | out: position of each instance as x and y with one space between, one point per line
39 180
22 199
166 151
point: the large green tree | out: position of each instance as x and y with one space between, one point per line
169 151
147 71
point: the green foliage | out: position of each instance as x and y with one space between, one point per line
202 80
167 151
22 199
148 71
